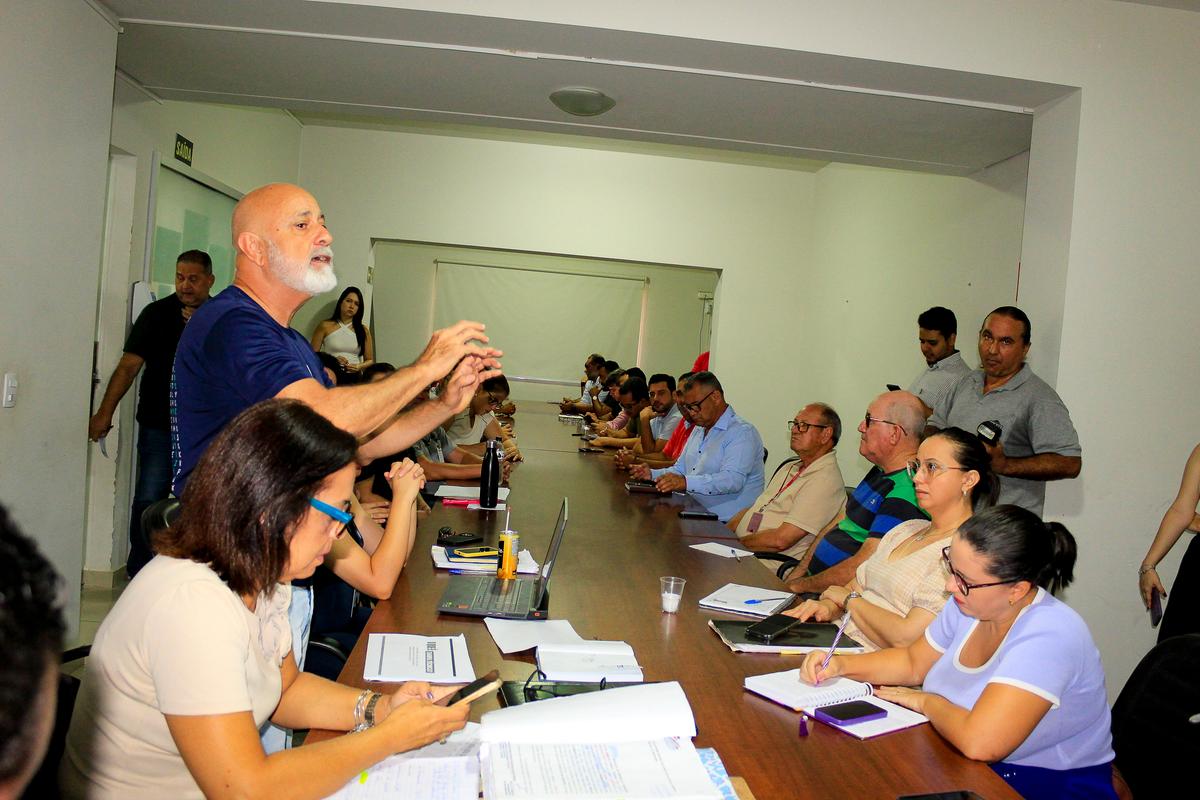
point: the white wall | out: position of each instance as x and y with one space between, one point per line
800 309
749 222
56 63
239 147
887 245
403 321
1126 245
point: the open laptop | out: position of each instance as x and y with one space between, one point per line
522 597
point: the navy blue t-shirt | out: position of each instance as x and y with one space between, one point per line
231 356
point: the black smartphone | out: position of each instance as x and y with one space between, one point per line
448 537
696 514
771 627
641 487
989 431
477 689
850 713
1155 607
591 449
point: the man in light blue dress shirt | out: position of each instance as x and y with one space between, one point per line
722 463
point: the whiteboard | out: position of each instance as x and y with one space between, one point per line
546 322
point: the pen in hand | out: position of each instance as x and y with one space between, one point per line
837 638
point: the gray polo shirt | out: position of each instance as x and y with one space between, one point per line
935 382
1033 417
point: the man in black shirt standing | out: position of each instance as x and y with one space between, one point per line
152 343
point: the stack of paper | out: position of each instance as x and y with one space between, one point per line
632 742
398 657
525 562
440 771
723 550
589 662
734 598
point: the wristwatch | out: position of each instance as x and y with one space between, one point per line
849 597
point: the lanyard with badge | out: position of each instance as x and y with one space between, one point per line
757 517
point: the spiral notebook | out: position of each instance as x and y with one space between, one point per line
788 690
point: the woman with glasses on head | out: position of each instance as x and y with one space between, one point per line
477 423
1010 675
195 657
899 590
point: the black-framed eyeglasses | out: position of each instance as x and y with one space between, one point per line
800 426
493 402
341 516
960 581
932 468
868 419
694 407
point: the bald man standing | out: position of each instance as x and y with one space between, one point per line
239 349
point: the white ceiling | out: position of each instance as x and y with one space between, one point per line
338 63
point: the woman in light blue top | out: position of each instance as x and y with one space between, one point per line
1011 675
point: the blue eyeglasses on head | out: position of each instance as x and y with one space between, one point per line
340 514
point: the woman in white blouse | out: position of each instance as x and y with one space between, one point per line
195 657
898 591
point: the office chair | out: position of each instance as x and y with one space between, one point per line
1156 720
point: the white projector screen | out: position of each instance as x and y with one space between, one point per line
545 322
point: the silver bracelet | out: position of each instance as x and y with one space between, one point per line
369 714
360 722
1144 568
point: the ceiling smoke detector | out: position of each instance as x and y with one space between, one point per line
582 102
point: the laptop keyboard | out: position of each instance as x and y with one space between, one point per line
496 596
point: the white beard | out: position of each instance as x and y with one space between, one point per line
300 275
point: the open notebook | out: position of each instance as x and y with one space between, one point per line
787 689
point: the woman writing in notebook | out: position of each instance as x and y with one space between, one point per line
1010 675
898 591
195 656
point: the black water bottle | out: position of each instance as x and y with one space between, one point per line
489 475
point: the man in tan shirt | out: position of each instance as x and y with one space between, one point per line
805 495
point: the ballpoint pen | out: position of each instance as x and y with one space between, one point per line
756 600
735 554
837 638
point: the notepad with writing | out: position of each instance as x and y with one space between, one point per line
750 601
788 690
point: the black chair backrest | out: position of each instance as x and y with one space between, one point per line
1156 720
45 781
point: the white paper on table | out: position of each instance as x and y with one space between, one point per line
476 507
525 562
658 768
623 714
589 662
467 492
513 636
723 550
395 657
451 778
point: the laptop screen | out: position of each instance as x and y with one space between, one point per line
552 552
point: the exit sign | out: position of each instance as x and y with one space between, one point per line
183 149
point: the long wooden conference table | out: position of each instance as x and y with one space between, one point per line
605 582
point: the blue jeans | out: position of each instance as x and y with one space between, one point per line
275 738
153 484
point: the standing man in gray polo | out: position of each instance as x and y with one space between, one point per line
1038 442
937 330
